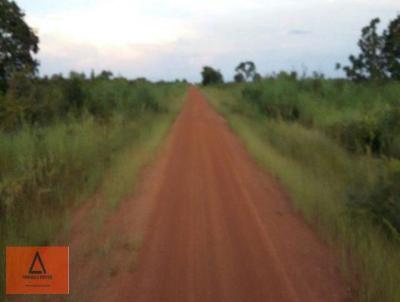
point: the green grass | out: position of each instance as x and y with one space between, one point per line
362 117
46 172
320 176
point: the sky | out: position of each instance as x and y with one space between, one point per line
173 39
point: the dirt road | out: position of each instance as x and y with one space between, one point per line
216 228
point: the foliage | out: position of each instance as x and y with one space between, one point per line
278 105
381 204
379 59
40 101
105 75
363 118
48 168
246 71
17 43
211 76
238 78
391 48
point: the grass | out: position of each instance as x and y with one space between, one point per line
361 117
47 171
119 179
320 176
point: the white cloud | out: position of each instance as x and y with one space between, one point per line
175 38
110 23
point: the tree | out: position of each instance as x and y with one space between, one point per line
239 78
391 49
74 95
369 64
380 53
105 75
245 71
211 76
18 43
77 75
257 77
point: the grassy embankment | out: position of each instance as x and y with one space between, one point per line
47 170
327 143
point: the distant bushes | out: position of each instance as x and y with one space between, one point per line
211 76
39 102
272 104
362 118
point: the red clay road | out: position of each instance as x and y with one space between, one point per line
223 230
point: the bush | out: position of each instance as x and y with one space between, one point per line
380 204
74 95
358 136
147 99
272 104
364 118
210 76
389 126
40 102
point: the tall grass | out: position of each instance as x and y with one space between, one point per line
361 116
46 171
323 180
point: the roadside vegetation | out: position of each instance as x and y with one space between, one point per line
335 146
54 155
64 139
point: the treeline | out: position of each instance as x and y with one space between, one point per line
371 126
41 101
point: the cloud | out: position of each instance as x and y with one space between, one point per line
170 39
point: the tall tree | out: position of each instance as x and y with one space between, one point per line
369 64
245 71
379 58
391 49
18 43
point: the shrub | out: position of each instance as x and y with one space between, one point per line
211 76
389 126
74 95
148 100
272 104
361 136
380 204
